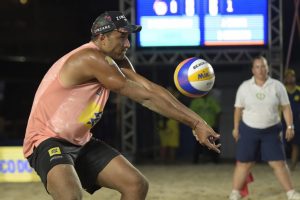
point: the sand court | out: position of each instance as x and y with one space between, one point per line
175 182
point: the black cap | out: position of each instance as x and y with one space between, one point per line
113 20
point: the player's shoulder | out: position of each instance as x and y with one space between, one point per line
83 56
89 53
87 57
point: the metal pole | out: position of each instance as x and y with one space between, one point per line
288 57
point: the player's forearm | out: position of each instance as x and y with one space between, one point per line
157 99
162 102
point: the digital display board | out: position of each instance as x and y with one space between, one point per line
202 23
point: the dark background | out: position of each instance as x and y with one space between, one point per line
35 34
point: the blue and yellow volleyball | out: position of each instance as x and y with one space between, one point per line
194 77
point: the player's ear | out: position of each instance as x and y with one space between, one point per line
101 37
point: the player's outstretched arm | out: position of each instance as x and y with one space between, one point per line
89 65
163 102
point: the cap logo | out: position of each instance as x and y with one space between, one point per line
102 28
113 20
108 18
121 17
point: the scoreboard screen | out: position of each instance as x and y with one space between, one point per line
202 23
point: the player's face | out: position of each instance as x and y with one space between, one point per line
260 69
117 44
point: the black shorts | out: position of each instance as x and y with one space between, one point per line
88 160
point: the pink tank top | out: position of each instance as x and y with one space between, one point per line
64 112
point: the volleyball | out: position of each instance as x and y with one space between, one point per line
194 77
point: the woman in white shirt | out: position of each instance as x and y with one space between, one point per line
257 128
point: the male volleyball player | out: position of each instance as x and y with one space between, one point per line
71 99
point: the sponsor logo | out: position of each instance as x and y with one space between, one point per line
203 75
104 28
121 17
107 18
55 157
90 115
94 120
12 166
54 151
199 64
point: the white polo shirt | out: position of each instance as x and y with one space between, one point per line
261 103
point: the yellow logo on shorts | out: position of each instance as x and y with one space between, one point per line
54 151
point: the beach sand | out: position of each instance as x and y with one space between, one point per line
175 182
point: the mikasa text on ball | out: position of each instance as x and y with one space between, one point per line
194 77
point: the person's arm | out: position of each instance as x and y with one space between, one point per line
288 117
128 70
160 100
237 116
94 65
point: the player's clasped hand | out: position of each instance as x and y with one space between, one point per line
207 137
